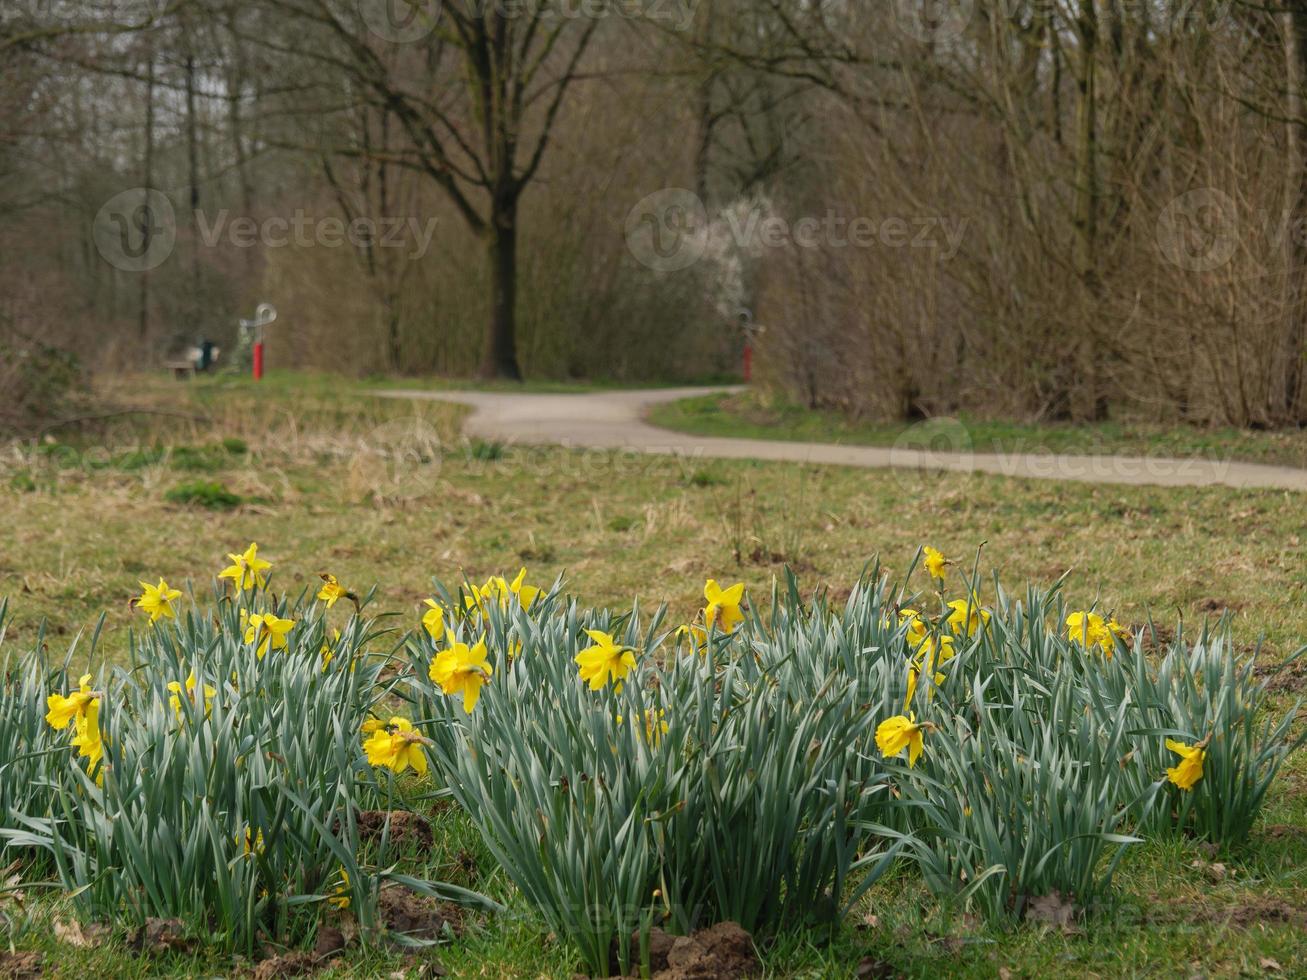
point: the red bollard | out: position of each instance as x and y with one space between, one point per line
258 361
748 362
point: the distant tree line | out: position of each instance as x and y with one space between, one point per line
1054 209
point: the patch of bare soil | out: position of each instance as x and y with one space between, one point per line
21 966
406 828
417 916
1245 915
1289 679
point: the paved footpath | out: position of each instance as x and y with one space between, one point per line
616 420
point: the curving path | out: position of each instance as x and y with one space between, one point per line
616 420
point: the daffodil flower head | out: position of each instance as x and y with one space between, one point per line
723 609
340 896
695 635
63 710
1190 767
655 725
396 746
267 631
1090 630
893 735
462 670
967 615
88 741
175 698
433 620
157 600
935 562
605 661
332 591
246 570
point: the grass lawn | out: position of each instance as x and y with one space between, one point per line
754 416
294 465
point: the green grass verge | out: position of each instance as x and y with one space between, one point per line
319 497
750 415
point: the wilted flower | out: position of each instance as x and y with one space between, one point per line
655 727
340 897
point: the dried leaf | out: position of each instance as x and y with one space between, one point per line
1052 910
83 937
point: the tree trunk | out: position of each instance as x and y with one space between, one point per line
148 184
500 359
1293 403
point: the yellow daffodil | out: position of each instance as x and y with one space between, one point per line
157 600
1090 630
1190 768
655 725
175 699
397 746
327 653
332 591
64 709
340 897
246 570
497 589
253 844
88 740
935 651
917 627
526 594
913 672
935 563
267 631
462 670
433 620
893 735
606 660
967 614
723 609
695 635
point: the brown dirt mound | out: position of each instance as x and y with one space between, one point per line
406 828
